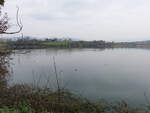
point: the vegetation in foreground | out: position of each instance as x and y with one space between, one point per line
26 99
46 100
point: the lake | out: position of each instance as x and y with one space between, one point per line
113 74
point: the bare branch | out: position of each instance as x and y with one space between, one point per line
57 80
146 99
58 86
19 23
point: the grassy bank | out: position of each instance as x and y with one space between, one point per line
26 99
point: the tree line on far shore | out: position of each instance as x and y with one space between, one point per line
32 43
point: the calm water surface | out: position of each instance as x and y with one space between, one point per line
112 74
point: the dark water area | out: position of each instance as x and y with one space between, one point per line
111 74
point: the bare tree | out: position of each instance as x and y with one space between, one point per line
4 24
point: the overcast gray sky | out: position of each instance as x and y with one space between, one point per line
111 20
